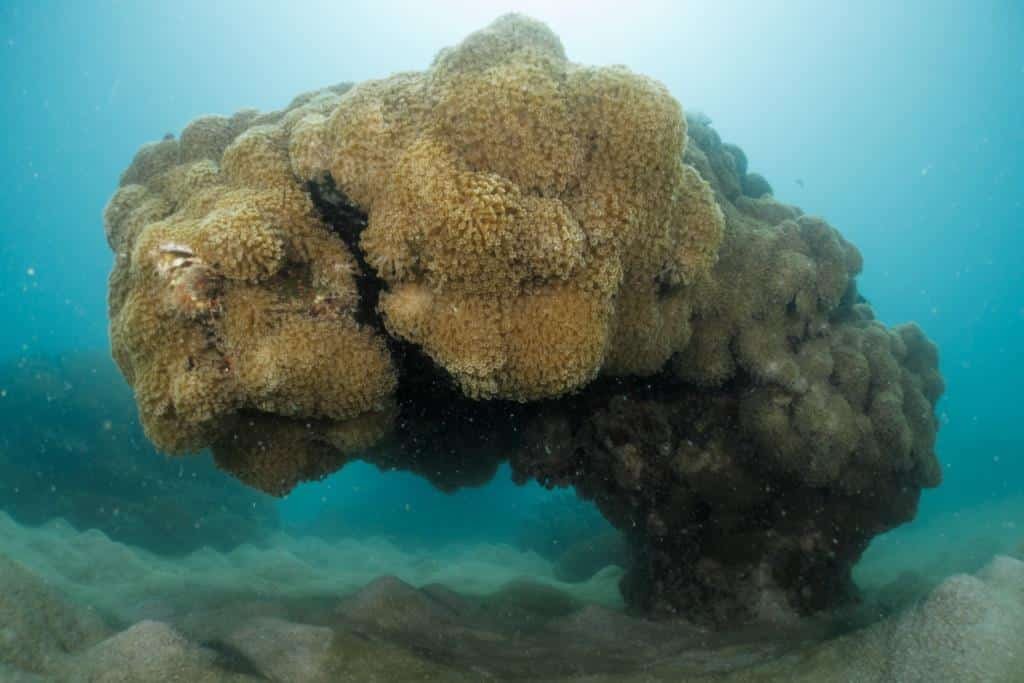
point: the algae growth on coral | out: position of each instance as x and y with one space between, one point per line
512 257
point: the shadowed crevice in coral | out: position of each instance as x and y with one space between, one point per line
440 434
347 221
451 440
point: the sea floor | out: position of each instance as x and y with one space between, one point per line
943 601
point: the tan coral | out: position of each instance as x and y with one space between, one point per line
529 224
205 138
231 300
273 454
503 172
316 368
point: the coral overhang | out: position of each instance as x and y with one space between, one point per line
513 257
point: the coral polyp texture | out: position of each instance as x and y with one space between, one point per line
513 198
509 256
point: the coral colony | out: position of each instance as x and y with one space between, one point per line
513 258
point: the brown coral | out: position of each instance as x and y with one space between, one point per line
230 296
354 275
506 184
531 222
791 429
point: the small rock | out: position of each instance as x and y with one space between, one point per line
285 651
38 627
148 651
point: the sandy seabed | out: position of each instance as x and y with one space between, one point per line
943 601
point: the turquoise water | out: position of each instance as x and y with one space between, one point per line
901 123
